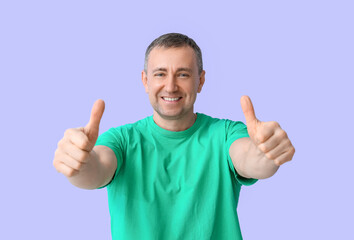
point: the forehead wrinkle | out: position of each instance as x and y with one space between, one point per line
159 69
184 69
181 69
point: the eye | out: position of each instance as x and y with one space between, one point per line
184 75
159 74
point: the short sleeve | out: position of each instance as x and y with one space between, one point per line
234 131
114 139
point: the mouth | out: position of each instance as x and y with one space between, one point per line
171 99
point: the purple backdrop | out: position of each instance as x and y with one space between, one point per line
295 60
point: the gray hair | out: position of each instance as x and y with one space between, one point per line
171 40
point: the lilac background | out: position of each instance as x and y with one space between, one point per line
293 58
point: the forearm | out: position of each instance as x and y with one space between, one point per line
91 175
249 161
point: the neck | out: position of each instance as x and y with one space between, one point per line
175 125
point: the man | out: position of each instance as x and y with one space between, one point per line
176 174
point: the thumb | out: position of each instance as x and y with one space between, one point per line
91 129
248 111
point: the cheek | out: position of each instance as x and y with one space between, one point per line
152 89
195 88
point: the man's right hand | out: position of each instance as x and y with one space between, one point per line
74 148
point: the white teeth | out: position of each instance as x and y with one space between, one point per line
170 99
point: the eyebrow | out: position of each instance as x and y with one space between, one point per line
178 70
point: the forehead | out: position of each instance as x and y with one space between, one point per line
172 57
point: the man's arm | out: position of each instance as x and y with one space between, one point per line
249 161
76 157
98 169
268 146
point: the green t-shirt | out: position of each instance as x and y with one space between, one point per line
175 185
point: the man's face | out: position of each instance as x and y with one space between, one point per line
172 81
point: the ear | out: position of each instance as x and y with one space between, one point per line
144 80
201 81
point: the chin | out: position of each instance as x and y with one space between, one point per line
170 115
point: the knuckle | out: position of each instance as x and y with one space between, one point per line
292 150
84 144
289 145
260 137
288 159
70 172
68 132
57 157
55 163
283 134
71 133
56 153
60 143
274 124
277 162
82 156
263 147
78 165
269 155
57 166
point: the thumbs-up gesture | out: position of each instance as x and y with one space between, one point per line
74 148
267 136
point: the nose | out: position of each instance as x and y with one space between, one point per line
171 84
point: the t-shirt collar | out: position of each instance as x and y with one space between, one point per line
173 134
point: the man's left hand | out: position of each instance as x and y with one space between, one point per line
269 137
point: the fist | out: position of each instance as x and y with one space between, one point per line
269 137
74 148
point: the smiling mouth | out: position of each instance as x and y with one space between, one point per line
167 99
